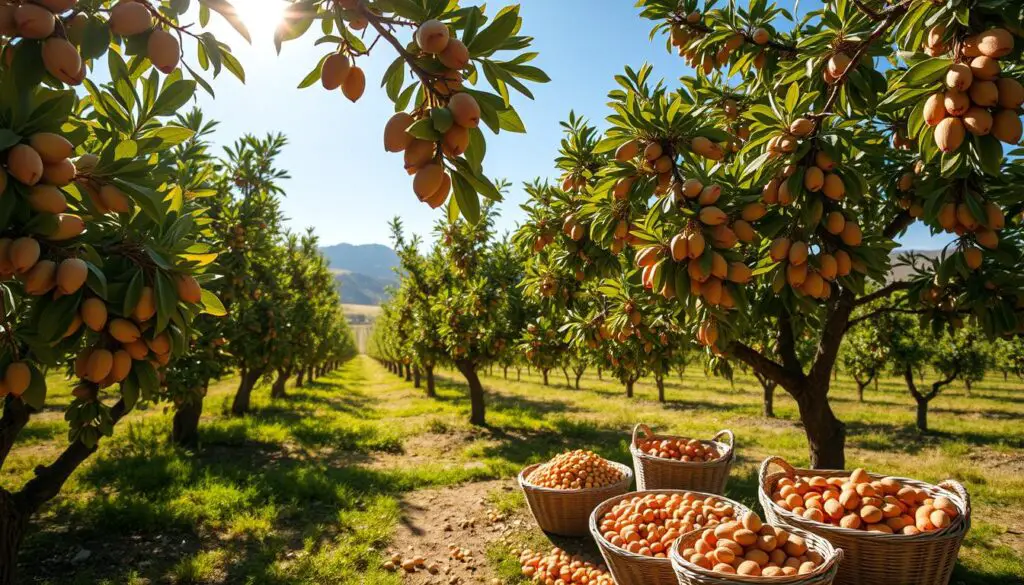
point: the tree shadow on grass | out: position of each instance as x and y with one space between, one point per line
908 439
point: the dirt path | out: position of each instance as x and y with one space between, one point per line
449 530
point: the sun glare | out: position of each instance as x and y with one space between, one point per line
261 17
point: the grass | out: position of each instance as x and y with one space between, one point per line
307 490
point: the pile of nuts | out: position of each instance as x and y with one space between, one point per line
748 547
861 503
648 524
689 450
574 470
559 567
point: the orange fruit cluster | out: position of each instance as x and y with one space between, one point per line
648 524
861 503
574 470
689 450
560 568
748 547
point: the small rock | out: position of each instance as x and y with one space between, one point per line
82 556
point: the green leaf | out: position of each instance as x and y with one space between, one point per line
35 395
173 97
133 294
469 204
314 75
441 119
424 130
488 39
925 72
225 9
8 138
509 120
213 305
990 154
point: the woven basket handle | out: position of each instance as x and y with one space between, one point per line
762 473
641 427
728 435
958 488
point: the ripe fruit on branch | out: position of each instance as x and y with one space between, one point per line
47 199
465 110
130 18
838 64
455 55
33 22
432 36
24 164
94 313
188 289
335 70
71 275
949 134
41 278
995 43
801 127
163 50
959 76
396 137
24 253
17 378
354 84
124 330
427 180
52 148
1006 126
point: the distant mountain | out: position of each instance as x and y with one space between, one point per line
904 272
370 259
363 272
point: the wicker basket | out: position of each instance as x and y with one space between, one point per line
872 557
567 512
688 573
655 473
630 568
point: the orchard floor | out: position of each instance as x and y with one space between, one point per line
326 485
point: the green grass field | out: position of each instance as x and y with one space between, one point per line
309 489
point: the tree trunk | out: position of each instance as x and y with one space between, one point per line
476 392
861 385
660 381
416 377
826 435
278 389
298 378
408 373
240 405
185 425
876 383
545 376
599 377
579 374
922 414
967 388
13 523
768 399
310 374
431 392
519 374
565 373
629 388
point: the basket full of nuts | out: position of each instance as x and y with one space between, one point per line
749 551
564 491
670 462
893 530
635 532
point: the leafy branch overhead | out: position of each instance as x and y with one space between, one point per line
436 83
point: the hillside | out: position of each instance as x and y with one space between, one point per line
363 272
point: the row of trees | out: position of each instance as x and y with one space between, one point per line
143 267
282 311
753 207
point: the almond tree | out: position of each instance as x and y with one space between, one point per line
98 260
767 190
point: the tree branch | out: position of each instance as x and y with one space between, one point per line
50 479
770 369
908 375
787 344
899 223
15 418
831 337
884 292
883 311
936 386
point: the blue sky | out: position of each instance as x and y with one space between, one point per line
345 185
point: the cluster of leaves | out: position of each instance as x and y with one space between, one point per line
421 81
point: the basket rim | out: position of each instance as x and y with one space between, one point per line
727 450
957 528
834 556
601 508
627 478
